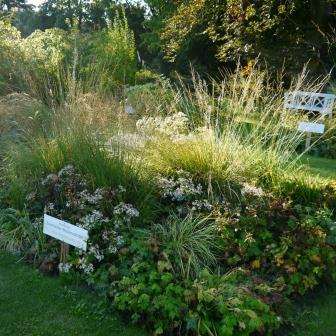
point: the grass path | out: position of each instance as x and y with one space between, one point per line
32 304
325 168
316 314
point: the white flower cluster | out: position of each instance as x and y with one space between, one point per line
37 223
91 220
121 189
114 239
67 171
112 235
86 267
64 268
179 189
250 190
199 205
50 207
126 211
94 198
94 250
50 179
126 139
112 249
170 125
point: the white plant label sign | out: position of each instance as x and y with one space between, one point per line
65 232
311 127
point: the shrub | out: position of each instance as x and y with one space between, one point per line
112 53
103 212
221 159
150 99
145 76
46 55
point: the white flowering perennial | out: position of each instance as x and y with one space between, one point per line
50 207
64 268
50 179
94 198
66 171
201 205
87 268
179 189
37 223
121 189
125 211
89 221
67 196
94 250
250 190
169 126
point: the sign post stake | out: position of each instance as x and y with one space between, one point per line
308 140
64 252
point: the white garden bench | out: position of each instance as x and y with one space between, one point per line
310 101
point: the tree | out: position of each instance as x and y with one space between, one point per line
275 29
64 13
26 21
12 4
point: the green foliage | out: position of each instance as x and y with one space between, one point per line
46 54
326 147
49 64
209 305
113 49
43 156
9 57
191 242
19 234
155 98
206 182
246 29
270 238
145 76
33 64
8 5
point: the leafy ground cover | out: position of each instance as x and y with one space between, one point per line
34 304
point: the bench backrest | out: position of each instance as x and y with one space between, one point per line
310 101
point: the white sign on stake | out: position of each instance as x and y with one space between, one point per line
65 232
311 127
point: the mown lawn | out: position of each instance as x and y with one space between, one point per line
32 304
316 314
325 168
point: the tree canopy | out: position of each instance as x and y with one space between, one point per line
171 34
